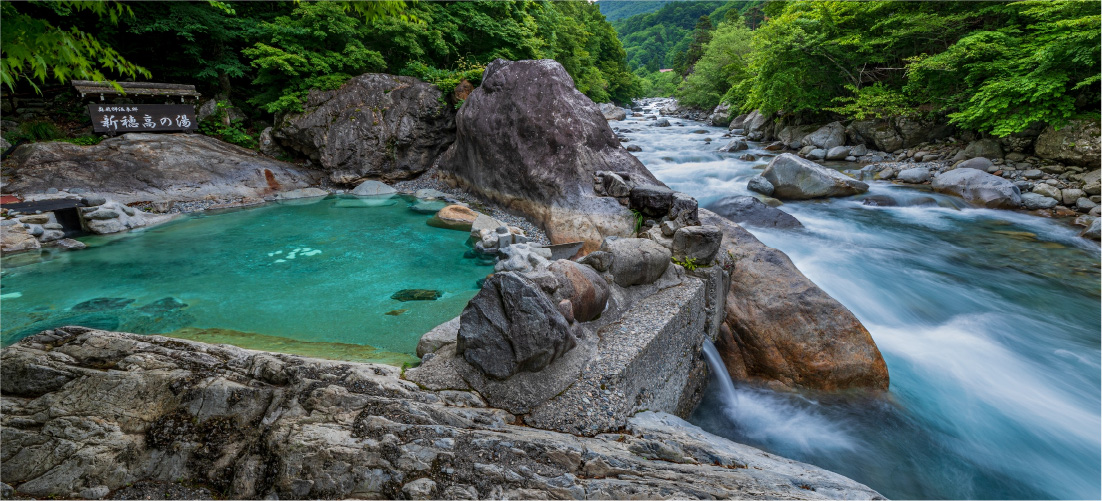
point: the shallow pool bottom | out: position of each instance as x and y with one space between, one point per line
313 277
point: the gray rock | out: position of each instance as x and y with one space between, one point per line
375 125
440 335
1047 190
662 122
520 258
373 188
978 163
98 492
760 185
36 229
837 153
1033 201
1084 205
733 146
651 200
355 440
757 126
1032 174
112 217
612 112
598 260
750 211
720 116
93 200
878 201
859 150
979 188
879 133
151 167
70 244
268 144
512 326
634 148
915 175
636 261
484 222
288 195
1069 196
987 148
817 154
430 194
422 488
697 243
1076 143
795 178
505 155
683 209
915 131
1094 231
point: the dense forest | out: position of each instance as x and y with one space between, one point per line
265 56
996 67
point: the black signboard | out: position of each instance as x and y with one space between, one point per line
121 118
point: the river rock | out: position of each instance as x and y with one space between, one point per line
792 135
753 212
172 413
916 131
1047 190
651 200
445 333
512 326
634 148
1076 143
636 261
837 153
1069 196
816 153
979 188
914 175
760 185
373 188
16 238
457 217
879 133
757 126
793 177
826 137
1094 231
877 201
416 295
114 217
733 146
375 125
511 148
612 112
582 286
520 258
70 244
1033 201
987 148
696 243
721 116
151 167
787 329
979 163
662 122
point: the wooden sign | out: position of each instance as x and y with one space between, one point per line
122 118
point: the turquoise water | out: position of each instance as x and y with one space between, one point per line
988 321
307 271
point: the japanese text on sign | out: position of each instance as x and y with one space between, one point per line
142 118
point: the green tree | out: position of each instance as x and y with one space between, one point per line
724 63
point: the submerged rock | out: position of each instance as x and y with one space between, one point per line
103 304
416 295
375 125
511 148
795 178
753 212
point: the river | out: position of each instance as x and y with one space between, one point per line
988 321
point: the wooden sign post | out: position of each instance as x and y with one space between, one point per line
121 118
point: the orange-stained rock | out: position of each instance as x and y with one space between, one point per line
786 329
457 217
583 287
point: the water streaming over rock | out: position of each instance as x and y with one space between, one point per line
988 321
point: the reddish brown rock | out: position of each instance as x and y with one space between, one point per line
584 289
784 328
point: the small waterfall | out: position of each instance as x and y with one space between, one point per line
720 375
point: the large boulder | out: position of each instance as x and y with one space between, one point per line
795 178
636 261
793 135
15 238
826 137
979 188
1075 143
582 286
150 417
373 126
510 326
785 328
915 131
879 133
721 115
986 148
753 212
528 140
757 126
153 167
698 244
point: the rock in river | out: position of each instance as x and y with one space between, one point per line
512 148
795 178
979 188
636 261
753 212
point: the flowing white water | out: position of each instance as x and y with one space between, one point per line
988 321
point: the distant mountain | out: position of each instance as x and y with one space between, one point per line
652 39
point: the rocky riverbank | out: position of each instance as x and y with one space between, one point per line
1053 173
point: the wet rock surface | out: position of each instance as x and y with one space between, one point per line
132 416
796 178
753 212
